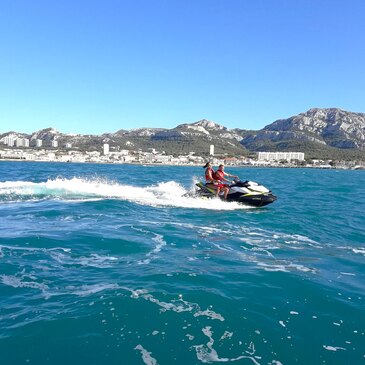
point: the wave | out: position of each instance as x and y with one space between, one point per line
162 194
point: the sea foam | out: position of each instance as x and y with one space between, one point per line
160 195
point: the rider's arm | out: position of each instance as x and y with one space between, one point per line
236 177
224 179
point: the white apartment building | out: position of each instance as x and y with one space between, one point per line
38 143
211 150
278 156
54 143
22 142
9 140
106 148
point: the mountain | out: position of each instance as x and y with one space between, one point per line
183 139
189 137
199 136
47 134
13 134
324 131
319 133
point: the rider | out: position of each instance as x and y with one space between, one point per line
210 181
219 175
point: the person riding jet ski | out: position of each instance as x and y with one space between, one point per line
219 176
211 181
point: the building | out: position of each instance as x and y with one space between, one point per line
211 150
38 143
106 149
278 156
22 142
9 140
68 145
54 143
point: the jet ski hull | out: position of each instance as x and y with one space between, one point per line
253 200
246 193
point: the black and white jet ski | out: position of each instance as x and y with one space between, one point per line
244 192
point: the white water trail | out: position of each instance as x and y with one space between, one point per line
165 194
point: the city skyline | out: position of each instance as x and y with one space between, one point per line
89 68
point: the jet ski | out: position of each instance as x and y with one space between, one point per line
244 192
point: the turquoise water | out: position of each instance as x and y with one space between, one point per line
109 264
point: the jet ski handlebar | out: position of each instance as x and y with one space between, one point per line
238 182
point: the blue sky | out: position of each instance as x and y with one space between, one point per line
100 66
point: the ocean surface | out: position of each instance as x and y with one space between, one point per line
110 264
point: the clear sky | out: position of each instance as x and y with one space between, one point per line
85 66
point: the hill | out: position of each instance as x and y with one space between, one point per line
319 133
322 132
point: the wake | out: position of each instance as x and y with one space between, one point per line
166 194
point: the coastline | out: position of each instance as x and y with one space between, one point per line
254 166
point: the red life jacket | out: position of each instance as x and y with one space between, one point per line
207 177
218 175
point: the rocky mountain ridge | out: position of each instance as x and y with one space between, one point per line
332 127
317 131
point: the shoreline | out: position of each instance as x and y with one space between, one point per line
145 164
